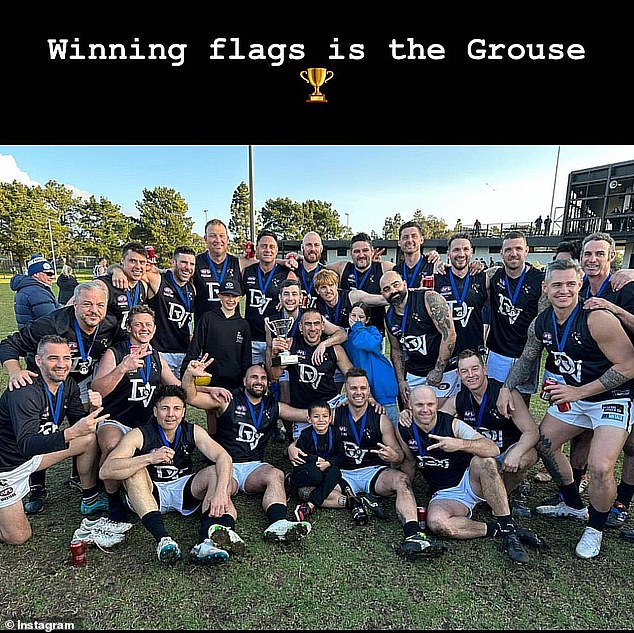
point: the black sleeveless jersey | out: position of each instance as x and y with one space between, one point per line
367 281
173 307
307 282
120 301
485 417
207 279
624 298
510 318
130 402
441 469
418 336
338 314
578 358
358 441
310 382
413 276
184 445
262 296
465 306
244 429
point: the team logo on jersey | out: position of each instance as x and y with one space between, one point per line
309 375
168 292
258 300
495 435
205 272
167 472
354 452
547 338
248 434
122 300
141 391
177 314
415 344
567 366
508 310
426 461
460 313
239 337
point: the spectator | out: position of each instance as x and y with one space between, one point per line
538 225
34 297
477 225
547 221
66 282
101 268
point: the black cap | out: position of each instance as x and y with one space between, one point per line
230 287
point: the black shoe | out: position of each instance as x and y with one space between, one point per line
519 508
514 548
528 537
73 482
288 486
627 535
420 546
372 504
35 503
359 515
553 500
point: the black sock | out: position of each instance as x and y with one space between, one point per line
117 510
227 520
411 528
571 496
597 519
275 512
38 478
205 523
503 525
624 493
577 475
90 494
153 523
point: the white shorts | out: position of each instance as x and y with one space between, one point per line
241 472
14 484
171 496
174 361
591 415
463 493
449 386
122 427
361 479
258 352
498 367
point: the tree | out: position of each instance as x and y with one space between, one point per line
240 221
391 227
164 223
432 226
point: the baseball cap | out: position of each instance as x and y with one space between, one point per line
230 287
39 265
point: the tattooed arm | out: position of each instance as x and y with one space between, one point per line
398 362
439 312
520 372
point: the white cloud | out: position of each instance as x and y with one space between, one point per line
9 171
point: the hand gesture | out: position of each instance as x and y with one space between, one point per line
198 367
21 378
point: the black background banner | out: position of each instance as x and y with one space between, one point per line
373 100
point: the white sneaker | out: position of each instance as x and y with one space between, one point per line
589 544
563 510
103 540
226 539
206 552
168 551
106 525
287 531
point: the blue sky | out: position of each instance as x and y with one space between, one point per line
492 183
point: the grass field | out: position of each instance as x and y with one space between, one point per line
340 577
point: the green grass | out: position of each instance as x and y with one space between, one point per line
340 577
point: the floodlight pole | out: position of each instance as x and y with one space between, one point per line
50 234
251 196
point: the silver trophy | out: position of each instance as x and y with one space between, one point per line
281 328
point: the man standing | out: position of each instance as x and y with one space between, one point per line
333 303
591 357
31 439
245 426
309 266
422 337
171 296
459 465
33 293
515 291
155 464
414 266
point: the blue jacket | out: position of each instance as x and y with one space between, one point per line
364 350
32 299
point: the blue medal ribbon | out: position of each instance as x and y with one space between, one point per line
80 342
264 284
185 296
256 421
601 289
329 444
164 439
213 268
291 333
307 287
409 279
460 298
357 285
358 436
55 411
390 314
564 336
481 409
513 297
145 371
335 320
421 451
137 291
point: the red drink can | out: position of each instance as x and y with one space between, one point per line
151 255
564 406
134 349
422 517
78 553
545 395
428 282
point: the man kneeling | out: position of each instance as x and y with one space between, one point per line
154 461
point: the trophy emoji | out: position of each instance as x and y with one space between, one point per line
281 328
316 77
